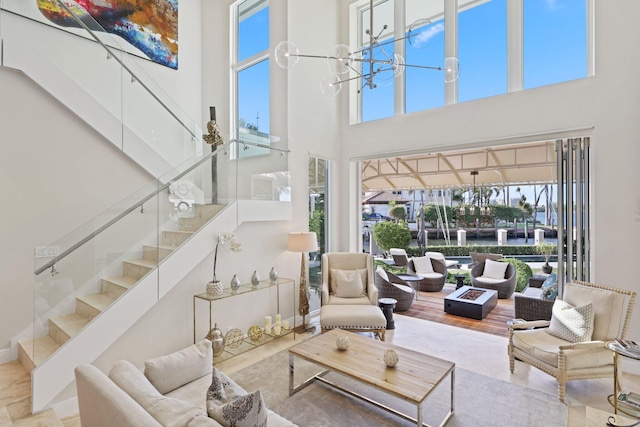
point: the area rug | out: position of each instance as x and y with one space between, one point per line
479 400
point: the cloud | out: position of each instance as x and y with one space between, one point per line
422 38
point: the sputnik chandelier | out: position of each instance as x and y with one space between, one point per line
376 63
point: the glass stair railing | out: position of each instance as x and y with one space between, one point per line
63 48
133 244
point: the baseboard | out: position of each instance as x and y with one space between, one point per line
67 408
5 355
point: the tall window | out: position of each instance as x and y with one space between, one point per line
482 50
425 21
251 76
377 103
555 41
555 36
318 220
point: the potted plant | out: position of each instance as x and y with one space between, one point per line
546 249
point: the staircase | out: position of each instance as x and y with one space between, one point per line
32 352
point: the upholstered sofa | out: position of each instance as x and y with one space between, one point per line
172 391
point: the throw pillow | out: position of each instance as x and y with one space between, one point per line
494 269
422 265
243 411
333 283
550 287
169 372
573 324
166 410
349 284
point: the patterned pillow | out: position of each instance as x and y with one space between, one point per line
550 288
573 324
243 411
349 284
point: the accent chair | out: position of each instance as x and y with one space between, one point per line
349 295
572 345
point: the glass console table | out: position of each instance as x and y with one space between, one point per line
247 343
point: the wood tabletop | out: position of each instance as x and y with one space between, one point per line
415 376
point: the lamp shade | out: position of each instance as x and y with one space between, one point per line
305 241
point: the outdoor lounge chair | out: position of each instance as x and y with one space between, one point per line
440 256
505 286
431 282
391 286
400 257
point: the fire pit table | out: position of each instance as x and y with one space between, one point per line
471 302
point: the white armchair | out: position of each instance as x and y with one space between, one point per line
532 343
344 304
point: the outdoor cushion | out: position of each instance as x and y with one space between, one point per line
483 279
550 287
494 269
422 265
348 284
404 288
573 324
382 273
433 275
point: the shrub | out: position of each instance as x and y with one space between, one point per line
523 272
398 212
389 234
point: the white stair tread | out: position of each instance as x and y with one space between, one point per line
167 247
143 262
43 347
98 301
71 324
122 281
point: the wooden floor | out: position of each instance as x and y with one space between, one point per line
430 306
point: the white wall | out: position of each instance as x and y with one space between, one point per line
608 102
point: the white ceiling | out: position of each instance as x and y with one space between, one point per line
522 164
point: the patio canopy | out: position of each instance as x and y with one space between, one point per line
521 164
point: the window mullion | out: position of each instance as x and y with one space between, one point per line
451 46
515 32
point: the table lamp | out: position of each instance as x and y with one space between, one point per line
305 241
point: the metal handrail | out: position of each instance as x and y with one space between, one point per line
136 205
133 75
126 212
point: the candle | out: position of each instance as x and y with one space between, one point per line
278 318
276 329
267 324
267 329
285 325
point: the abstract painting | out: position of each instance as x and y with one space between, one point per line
151 26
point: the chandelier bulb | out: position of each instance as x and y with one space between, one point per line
287 54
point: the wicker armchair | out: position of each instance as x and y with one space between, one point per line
400 257
505 288
394 287
478 257
432 282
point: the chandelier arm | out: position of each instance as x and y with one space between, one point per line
423 66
